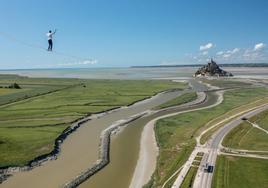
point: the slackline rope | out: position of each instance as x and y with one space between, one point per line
14 39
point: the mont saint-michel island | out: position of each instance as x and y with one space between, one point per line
211 69
133 94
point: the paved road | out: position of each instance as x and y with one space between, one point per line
190 160
212 149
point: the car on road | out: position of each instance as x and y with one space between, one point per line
244 118
209 168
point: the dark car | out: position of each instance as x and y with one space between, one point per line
210 169
244 118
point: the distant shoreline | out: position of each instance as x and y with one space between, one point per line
136 73
149 66
199 65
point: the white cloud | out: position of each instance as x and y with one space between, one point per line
205 53
85 62
206 46
259 46
247 53
255 54
235 50
220 53
89 62
251 56
228 53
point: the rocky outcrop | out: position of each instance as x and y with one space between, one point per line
212 69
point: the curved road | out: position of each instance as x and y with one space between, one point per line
212 148
146 163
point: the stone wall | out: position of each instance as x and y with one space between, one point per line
104 157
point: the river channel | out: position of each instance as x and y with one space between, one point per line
81 149
125 150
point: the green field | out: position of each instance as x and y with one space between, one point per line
31 119
176 135
198 158
196 163
184 98
5 91
31 87
229 116
239 172
261 119
189 179
246 137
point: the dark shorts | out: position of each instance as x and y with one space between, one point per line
49 41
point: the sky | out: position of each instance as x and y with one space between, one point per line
123 33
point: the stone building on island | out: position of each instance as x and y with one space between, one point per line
211 69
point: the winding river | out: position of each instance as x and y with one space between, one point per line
125 150
80 150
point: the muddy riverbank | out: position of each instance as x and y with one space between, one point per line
80 150
148 153
125 149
